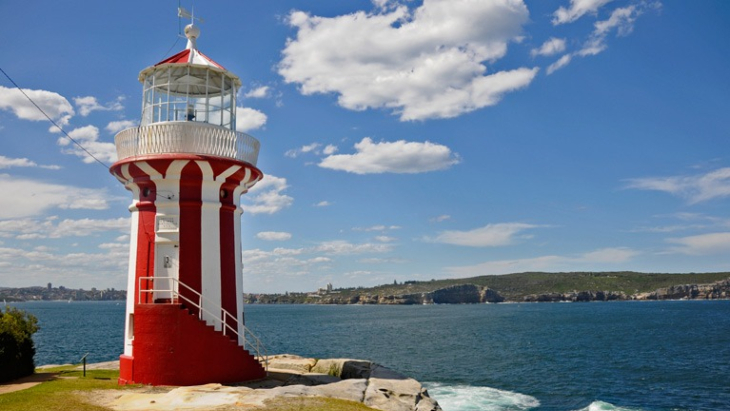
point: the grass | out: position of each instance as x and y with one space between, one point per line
313 404
61 393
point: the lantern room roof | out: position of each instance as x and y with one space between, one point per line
192 57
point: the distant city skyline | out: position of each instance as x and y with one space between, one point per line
400 140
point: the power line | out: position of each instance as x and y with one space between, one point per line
53 122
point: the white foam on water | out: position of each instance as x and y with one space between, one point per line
604 406
470 398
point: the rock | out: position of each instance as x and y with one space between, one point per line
343 368
457 294
389 390
291 362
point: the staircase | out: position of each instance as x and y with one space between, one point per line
173 345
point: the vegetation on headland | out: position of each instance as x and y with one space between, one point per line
61 293
511 287
16 343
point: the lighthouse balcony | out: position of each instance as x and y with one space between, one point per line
186 137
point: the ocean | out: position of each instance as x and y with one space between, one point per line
623 356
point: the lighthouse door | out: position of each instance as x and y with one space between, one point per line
166 271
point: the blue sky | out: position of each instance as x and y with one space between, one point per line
401 140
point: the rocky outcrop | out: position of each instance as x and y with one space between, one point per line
456 294
289 377
713 291
356 380
576 296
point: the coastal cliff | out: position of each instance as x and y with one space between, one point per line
524 287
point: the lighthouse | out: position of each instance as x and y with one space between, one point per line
187 166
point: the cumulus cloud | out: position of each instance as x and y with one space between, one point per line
703 244
117 126
693 188
258 92
423 63
89 104
307 148
32 197
249 119
267 197
549 48
379 227
88 137
401 157
562 62
346 247
7 162
577 9
53 104
273 236
491 235
323 203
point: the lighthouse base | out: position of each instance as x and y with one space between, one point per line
173 347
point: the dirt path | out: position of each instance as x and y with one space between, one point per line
26 382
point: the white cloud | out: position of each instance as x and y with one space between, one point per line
703 244
491 235
29 229
266 196
440 218
273 236
117 126
346 247
323 204
329 150
7 162
89 104
589 261
249 119
562 62
379 227
88 137
385 239
695 188
550 47
32 198
423 63
258 92
308 148
400 157
53 104
578 8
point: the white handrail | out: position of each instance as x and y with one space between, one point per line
261 353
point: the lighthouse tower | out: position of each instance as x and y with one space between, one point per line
187 166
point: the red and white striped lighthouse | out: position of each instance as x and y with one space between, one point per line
187 166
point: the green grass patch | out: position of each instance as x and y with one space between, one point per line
64 392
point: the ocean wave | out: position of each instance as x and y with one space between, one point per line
470 398
604 406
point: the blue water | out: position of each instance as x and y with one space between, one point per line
643 356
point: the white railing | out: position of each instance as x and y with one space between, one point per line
249 339
186 137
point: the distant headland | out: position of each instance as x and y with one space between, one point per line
521 287
61 293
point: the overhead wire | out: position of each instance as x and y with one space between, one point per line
106 166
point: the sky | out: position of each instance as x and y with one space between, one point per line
400 139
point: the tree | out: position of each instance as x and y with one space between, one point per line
16 343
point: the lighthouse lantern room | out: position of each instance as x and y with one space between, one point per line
187 166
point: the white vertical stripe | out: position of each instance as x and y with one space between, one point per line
239 263
210 245
132 268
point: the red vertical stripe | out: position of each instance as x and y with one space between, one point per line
228 255
146 211
190 232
